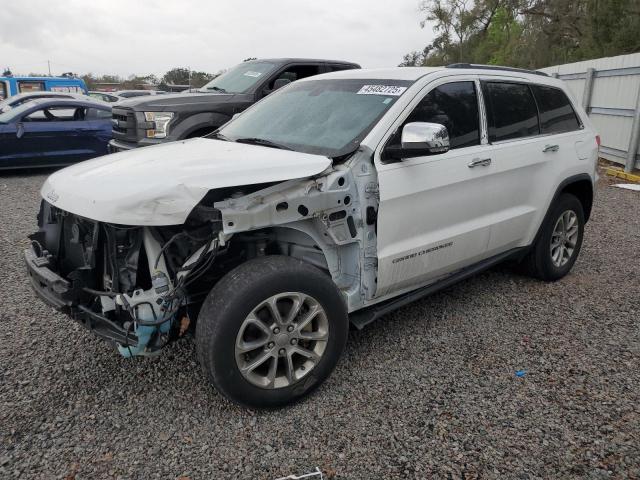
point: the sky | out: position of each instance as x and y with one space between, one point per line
125 37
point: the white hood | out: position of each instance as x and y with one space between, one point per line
160 185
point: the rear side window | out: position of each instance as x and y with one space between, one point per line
556 113
511 111
296 73
24 87
454 105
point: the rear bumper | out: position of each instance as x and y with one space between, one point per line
65 296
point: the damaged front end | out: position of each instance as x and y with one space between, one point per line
131 285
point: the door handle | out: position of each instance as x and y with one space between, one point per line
479 162
550 148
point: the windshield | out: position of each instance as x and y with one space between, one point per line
240 78
325 117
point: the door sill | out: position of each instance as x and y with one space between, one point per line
362 318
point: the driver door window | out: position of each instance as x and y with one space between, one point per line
454 105
56 114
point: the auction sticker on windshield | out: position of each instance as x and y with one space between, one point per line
392 90
252 74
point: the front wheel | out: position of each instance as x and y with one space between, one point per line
559 241
270 331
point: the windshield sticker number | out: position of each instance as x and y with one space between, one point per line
392 90
252 74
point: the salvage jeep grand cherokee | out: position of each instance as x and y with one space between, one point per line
338 198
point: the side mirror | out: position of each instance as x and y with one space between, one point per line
19 130
279 83
419 139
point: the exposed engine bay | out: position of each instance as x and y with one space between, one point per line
129 284
142 286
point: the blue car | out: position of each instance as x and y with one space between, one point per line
53 132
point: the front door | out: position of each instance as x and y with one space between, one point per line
434 217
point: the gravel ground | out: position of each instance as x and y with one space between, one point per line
429 391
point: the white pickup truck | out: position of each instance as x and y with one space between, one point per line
332 201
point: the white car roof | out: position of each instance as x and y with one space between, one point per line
415 73
397 73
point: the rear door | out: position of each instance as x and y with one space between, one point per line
518 162
530 128
434 217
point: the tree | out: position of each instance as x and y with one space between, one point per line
184 76
527 33
177 76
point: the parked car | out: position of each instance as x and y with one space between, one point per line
108 97
21 98
338 198
53 131
149 121
10 86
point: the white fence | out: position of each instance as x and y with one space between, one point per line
609 90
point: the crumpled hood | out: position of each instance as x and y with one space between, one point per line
161 184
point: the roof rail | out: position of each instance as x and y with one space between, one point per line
496 67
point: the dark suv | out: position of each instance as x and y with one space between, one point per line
148 121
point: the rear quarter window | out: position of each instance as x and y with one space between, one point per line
511 111
556 113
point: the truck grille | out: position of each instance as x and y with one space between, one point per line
124 124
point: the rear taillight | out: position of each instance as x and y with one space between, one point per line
598 140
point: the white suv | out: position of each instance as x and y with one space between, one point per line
334 200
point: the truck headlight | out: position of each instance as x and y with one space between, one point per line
161 123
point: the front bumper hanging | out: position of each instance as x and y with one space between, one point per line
65 296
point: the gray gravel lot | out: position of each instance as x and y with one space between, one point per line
429 391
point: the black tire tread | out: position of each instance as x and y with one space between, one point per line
536 263
224 297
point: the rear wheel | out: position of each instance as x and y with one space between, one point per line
271 331
558 244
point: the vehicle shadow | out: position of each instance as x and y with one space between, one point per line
27 172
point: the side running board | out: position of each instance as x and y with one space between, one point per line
362 318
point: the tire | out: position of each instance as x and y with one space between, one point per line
235 317
541 262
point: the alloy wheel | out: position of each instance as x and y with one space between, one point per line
281 340
564 238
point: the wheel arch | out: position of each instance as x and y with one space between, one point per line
200 121
580 186
303 241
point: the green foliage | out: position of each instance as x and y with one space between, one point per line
183 76
527 33
175 76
